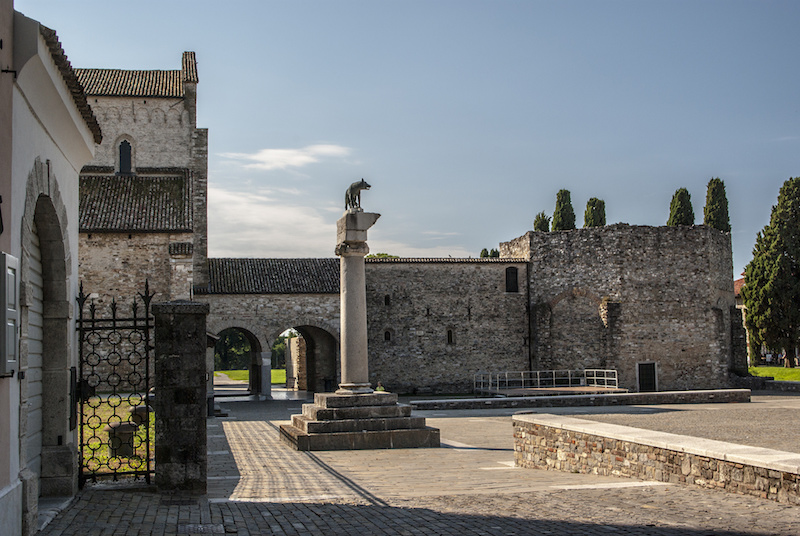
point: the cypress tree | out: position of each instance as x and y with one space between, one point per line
541 223
680 210
563 215
771 289
494 253
715 213
484 253
595 215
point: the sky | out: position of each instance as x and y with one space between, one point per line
465 116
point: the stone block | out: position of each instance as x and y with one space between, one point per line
331 400
393 439
317 413
356 425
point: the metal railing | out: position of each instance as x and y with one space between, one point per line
537 379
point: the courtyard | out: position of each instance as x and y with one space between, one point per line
257 485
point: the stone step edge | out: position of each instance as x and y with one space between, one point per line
358 423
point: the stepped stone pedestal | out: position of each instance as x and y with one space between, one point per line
358 421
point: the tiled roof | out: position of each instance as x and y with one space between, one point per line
737 286
71 80
122 83
135 203
272 276
443 260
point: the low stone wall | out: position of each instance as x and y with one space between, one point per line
783 386
580 446
561 401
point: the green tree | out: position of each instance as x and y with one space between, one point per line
494 253
715 213
563 215
232 351
484 253
680 209
541 222
595 215
381 256
771 289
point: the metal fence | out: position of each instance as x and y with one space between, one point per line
537 379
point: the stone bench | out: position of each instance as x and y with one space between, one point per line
544 441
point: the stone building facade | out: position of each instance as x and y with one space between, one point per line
143 212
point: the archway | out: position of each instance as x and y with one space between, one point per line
239 350
311 361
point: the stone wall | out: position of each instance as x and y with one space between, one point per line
158 129
566 444
115 265
616 296
433 324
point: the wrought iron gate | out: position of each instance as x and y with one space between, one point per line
116 421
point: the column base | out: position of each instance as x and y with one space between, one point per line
354 389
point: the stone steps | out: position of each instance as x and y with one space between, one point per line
354 422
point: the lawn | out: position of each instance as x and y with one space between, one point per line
278 375
779 373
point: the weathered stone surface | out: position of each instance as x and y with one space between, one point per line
331 400
579 446
394 439
356 425
318 413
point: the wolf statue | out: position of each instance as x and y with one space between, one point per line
352 198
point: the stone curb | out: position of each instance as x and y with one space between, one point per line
776 460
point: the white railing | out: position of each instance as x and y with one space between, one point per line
537 379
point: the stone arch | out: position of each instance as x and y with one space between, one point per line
142 115
256 349
173 117
49 452
158 117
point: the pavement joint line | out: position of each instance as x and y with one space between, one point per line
610 485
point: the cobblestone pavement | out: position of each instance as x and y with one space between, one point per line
258 486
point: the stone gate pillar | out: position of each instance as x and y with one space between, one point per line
351 240
180 395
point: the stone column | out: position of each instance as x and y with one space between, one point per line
180 395
351 240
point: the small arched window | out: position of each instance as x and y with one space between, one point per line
125 164
387 336
450 337
387 300
512 284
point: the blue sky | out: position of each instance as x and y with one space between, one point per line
465 116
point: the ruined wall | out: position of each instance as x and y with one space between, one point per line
412 304
616 296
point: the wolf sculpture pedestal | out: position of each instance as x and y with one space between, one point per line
355 417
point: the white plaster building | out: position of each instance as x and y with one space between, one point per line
47 133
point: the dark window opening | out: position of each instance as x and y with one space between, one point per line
647 377
449 336
125 157
387 300
512 283
387 336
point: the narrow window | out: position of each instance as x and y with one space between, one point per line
387 300
647 378
387 336
512 284
449 336
125 157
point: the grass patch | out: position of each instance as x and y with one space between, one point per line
98 456
779 373
278 375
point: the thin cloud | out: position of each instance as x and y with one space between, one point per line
269 159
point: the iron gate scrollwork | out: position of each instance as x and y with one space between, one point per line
115 418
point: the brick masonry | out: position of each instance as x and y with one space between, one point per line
572 447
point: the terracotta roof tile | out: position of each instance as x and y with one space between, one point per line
272 276
71 80
123 83
737 286
443 260
135 203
